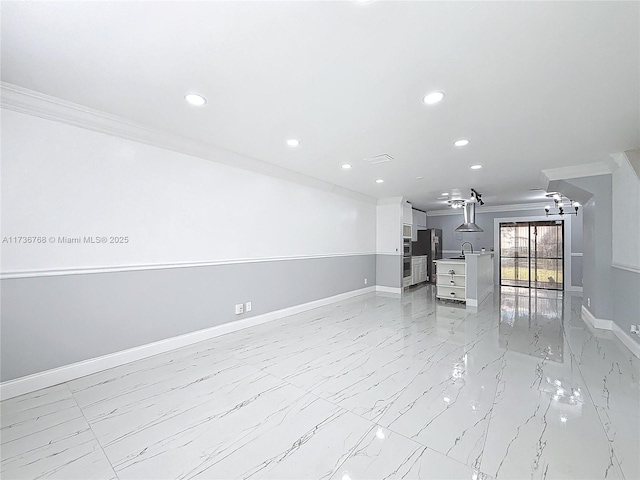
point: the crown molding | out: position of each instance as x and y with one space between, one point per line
490 209
631 158
390 201
578 171
36 104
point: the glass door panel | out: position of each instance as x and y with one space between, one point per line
548 274
531 254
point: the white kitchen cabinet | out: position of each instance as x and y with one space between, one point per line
415 270
420 218
451 279
418 269
419 223
407 213
423 269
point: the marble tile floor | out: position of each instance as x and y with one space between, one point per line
377 386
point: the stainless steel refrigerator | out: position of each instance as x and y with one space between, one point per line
429 243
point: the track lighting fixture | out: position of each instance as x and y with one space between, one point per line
477 197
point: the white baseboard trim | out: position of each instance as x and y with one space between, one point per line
381 288
596 322
626 339
49 378
623 336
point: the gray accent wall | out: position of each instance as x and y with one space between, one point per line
577 248
51 321
614 292
597 244
576 271
576 233
389 270
452 240
626 299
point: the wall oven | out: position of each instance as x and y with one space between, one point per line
406 257
406 247
406 267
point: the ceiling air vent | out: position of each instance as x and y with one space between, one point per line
382 158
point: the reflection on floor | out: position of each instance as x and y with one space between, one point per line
531 322
372 387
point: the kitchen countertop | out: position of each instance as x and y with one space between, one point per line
458 259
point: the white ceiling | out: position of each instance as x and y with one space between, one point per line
533 85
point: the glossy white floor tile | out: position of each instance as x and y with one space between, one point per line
533 435
376 386
623 431
44 435
386 454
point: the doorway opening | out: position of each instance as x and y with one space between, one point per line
532 254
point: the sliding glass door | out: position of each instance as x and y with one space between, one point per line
531 254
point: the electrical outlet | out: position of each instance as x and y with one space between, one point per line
365 281
635 329
588 302
248 307
239 308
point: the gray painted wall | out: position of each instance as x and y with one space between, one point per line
576 233
597 245
576 271
389 270
613 291
577 247
48 322
626 299
453 240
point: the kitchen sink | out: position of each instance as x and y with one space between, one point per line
460 257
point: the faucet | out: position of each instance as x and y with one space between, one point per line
462 248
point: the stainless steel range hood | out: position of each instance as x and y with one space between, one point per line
469 224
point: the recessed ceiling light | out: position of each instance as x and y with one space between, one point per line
379 180
461 143
476 167
346 166
195 99
419 178
445 194
433 97
293 142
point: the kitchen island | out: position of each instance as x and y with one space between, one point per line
468 279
